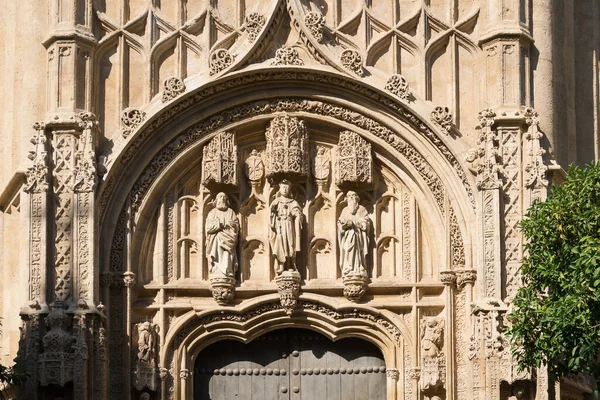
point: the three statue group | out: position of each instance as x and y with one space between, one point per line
222 228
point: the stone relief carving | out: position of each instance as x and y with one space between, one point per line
287 56
220 160
131 118
315 22
254 24
432 376
172 88
535 167
321 166
398 85
222 227
443 117
287 147
352 61
354 161
286 225
145 372
220 60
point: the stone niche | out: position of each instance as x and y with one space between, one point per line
399 237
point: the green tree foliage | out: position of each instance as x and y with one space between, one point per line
556 315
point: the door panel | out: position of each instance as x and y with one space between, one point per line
290 364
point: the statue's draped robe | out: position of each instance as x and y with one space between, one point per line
221 236
353 241
286 221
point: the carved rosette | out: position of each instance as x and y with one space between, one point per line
131 118
354 161
220 60
315 22
172 88
355 287
398 85
443 117
287 56
254 24
219 161
288 286
352 60
287 147
222 289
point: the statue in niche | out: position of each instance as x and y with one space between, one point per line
353 237
286 224
146 373
222 227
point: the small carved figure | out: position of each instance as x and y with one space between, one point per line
353 237
146 373
145 342
286 224
432 339
222 227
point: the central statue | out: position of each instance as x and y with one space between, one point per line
286 224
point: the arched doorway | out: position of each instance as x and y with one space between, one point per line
290 364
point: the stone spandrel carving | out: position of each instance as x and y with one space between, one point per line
254 24
219 161
222 227
443 117
220 60
145 373
315 22
354 161
352 61
432 363
287 147
398 85
286 224
131 118
287 56
172 88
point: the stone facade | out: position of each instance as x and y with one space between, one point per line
179 170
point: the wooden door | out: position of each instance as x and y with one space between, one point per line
290 364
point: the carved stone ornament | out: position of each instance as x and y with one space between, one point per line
321 165
488 153
355 287
172 88
219 161
287 147
254 167
535 167
145 374
315 22
398 85
354 161
448 278
287 56
465 277
432 357
131 118
222 289
57 360
288 286
352 61
220 60
443 117
37 174
254 24
85 171
393 373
